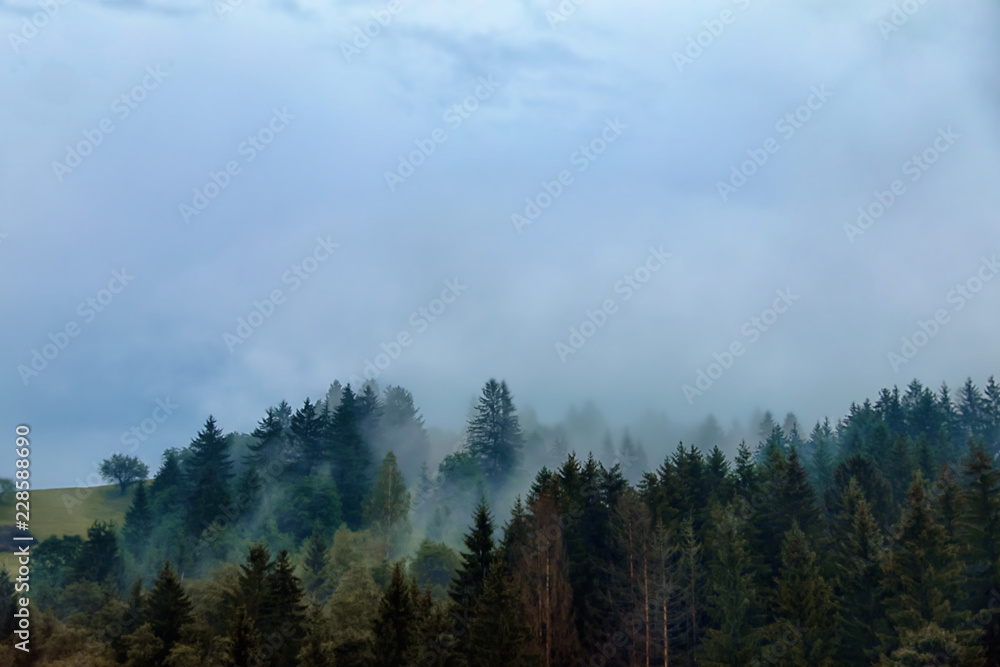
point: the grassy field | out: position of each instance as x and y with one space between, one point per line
66 512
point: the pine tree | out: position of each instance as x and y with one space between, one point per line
396 623
402 425
495 438
167 493
138 521
168 609
208 471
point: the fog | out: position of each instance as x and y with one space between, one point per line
214 207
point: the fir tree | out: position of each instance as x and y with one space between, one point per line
396 623
244 640
476 559
497 633
351 457
138 521
495 438
168 609
308 437
803 600
282 607
209 471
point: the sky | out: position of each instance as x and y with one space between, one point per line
685 208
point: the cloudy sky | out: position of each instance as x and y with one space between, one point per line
180 163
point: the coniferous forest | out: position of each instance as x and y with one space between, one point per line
329 537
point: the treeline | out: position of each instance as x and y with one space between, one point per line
876 541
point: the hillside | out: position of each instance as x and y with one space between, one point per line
62 512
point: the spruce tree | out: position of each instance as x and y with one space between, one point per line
252 584
244 640
494 433
396 623
315 562
282 607
734 601
804 601
497 633
168 609
209 471
351 458
476 560
138 521
269 439
308 437
922 578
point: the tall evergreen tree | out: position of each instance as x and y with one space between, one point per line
138 521
494 434
269 439
497 632
308 437
209 471
244 640
476 559
351 457
395 625
282 607
923 580
804 601
168 609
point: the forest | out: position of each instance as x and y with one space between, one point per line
332 535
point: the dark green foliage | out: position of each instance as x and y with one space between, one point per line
351 458
244 642
208 473
476 559
168 609
396 623
98 559
497 633
282 608
123 470
138 521
313 499
495 438
308 437
434 566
